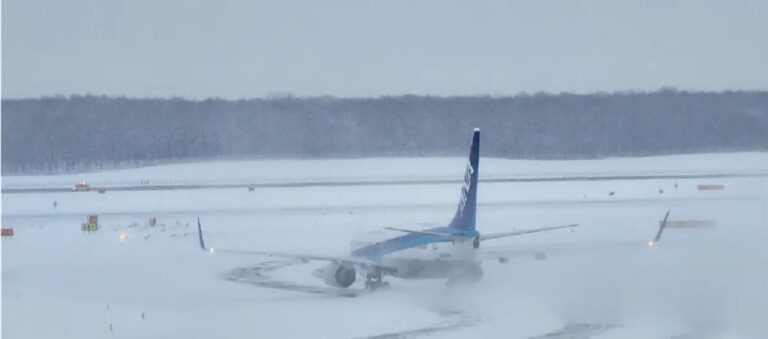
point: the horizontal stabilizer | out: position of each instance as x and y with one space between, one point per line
516 233
437 234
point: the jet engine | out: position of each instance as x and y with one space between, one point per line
339 274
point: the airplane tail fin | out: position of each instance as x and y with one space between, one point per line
467 211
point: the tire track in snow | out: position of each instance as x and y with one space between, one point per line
451 324
577 331
259 275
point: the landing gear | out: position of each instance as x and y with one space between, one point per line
373 280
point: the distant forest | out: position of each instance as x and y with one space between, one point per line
59 134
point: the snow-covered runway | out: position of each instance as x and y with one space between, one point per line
59 282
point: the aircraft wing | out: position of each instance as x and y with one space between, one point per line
300 256
485 236
540 251
521 232
543 251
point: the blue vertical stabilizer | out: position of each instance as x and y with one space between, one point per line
467 211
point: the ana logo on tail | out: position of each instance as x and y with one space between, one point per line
466 187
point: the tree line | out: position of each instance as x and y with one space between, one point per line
55 134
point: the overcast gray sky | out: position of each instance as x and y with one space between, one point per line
235 49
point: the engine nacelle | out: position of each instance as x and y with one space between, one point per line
339 275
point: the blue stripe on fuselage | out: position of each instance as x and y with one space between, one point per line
409 240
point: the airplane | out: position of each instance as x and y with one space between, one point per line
452 252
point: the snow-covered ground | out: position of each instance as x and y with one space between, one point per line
598 282
271 171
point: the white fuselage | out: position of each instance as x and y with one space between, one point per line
437 259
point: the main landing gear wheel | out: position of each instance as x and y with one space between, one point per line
373 281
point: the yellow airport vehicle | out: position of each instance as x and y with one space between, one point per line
81 187
92 225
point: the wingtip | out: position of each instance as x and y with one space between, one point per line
200 235
662 226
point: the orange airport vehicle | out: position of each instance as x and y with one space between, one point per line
7 232
711 187
689 223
